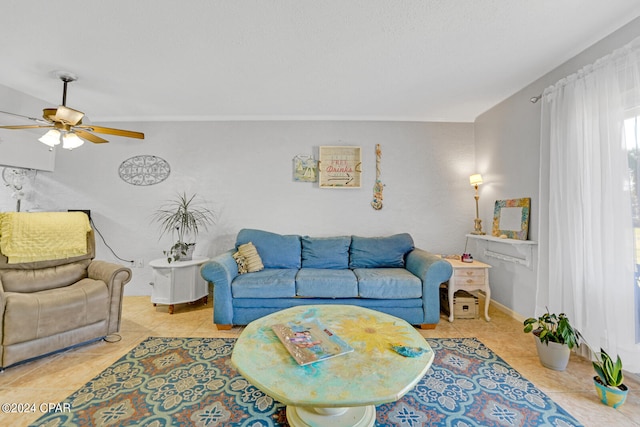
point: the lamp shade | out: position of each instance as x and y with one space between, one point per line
475 179
51 138
71 141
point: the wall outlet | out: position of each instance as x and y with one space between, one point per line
139 263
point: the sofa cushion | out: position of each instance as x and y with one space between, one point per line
326 283
30 316
387 283
241 262
379 252
268 283
248 259
325 252
276 250
19 280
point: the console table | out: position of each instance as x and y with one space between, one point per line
469 276
178 282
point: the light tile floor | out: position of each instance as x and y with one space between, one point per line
52 379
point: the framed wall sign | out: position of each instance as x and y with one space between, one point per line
340 167
305 168
511 218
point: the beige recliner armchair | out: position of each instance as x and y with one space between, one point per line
50 305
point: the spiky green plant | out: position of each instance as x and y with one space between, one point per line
185 216
610 373
554 328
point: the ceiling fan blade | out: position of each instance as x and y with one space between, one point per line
89 136
68 115
35 119
112 131
27 127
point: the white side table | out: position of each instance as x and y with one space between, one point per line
469 276
178 282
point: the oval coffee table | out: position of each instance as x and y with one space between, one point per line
343 390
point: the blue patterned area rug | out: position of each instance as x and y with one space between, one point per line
190 381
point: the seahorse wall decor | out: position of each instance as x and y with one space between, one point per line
378 186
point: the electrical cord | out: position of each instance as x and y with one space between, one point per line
106 244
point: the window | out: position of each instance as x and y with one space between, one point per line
632 140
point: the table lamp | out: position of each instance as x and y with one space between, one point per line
475 180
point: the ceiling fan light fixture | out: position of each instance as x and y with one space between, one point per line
67 123
70 141
51 138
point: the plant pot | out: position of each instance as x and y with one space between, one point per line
610 396
553 356
180 252
189 256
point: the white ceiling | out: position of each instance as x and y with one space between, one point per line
425 60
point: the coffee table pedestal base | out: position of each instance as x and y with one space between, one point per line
358 416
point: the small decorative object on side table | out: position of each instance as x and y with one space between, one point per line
469 276
178 282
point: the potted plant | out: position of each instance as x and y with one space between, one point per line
185 216
608 380
555 337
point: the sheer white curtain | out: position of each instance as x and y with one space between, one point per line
586 264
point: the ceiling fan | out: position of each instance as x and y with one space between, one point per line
66 125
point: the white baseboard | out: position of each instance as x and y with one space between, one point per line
520 318
504 309
635 377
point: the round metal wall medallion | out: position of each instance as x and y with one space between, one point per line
144 170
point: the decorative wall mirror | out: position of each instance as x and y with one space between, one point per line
511 218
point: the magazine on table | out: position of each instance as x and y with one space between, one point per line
310 341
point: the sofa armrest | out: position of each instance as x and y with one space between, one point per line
115 276
220 272
433 271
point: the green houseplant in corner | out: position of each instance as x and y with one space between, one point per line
608 380
185 216
555 337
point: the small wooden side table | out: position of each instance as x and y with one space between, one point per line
178 282
469 276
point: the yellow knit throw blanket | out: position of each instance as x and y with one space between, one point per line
40 236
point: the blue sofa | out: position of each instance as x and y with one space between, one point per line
387 274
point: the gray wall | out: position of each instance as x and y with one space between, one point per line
244 169
508 156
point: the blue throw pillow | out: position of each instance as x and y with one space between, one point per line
276 250
379 252
326 252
